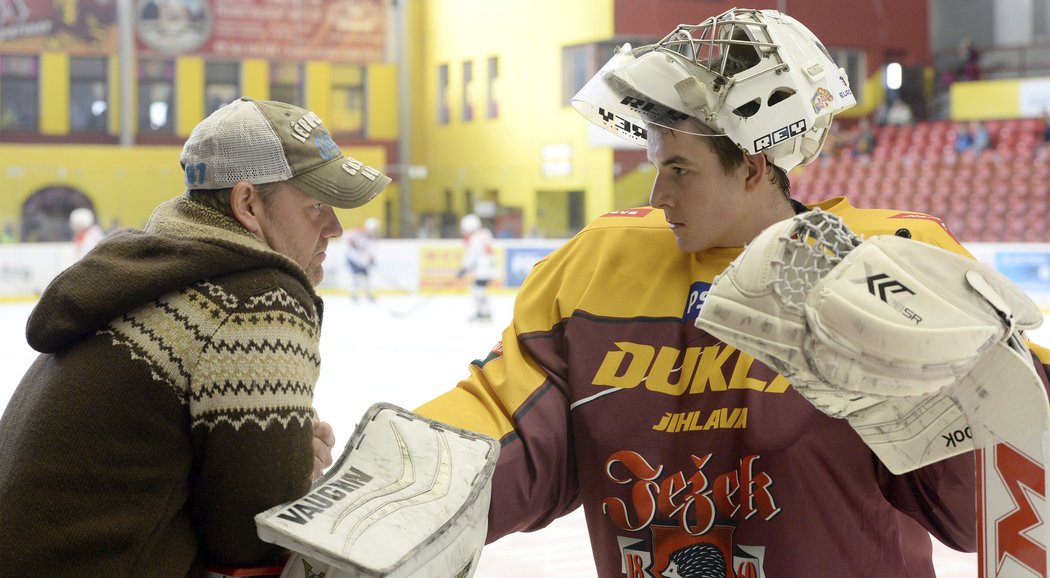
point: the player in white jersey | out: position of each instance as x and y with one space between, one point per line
478 262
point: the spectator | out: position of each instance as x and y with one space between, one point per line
968 68
899 113
863 138
972 137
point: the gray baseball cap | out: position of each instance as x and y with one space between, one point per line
264 141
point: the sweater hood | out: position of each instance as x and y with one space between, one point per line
183 243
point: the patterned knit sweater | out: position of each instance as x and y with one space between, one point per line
169 405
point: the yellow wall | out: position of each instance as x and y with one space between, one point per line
382 98
633 188
984 100
126 183
504 154
318 93
123 183
255 78
54 93
189 94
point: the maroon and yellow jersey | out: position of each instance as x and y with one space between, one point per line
686 453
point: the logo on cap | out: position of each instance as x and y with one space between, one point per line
353 167
302 128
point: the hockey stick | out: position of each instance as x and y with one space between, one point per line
1012 512
420 303
1011 509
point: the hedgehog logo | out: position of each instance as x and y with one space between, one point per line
701 560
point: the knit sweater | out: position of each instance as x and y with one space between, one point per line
170 404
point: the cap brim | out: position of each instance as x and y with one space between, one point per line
333 184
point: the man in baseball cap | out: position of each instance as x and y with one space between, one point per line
172 401
262 141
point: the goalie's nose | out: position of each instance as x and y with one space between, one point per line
659 196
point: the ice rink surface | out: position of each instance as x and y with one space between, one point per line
405 349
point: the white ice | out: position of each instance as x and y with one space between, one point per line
405 349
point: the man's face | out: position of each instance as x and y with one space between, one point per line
299 226
705 206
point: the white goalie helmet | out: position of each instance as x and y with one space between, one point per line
758 76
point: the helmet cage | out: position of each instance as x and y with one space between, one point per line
758 76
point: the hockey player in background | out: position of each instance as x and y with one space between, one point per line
171 401
682 450
361 257
478 263
86 232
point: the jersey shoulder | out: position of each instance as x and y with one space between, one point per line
912 224
636 218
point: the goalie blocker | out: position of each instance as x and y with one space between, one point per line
409 497
899 337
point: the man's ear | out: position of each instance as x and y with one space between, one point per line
246 204
757 166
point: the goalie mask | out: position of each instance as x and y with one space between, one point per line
758 76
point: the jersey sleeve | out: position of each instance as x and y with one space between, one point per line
518 394
250 400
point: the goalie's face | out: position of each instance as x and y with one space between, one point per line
706 204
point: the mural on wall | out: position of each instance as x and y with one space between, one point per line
72 26
348 31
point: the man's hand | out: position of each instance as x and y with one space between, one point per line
324 440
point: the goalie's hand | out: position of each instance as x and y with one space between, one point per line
891 334
408 498
323 442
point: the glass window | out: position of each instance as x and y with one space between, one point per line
348 99
467 111
443 114
492 110
286 82
88 95
19 94
156 90
222 85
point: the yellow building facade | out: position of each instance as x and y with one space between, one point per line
489 128
51 166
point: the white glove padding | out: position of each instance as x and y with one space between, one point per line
886 333
899 317
409 497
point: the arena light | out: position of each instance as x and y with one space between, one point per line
894 76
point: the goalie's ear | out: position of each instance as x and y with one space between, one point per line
758 168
